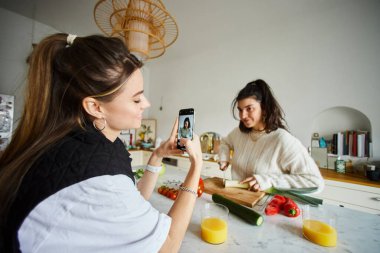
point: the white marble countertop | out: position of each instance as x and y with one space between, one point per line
357 231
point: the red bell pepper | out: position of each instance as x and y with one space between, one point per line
275 205
290 208
201 187
281 199
272 210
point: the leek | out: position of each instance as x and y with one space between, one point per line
297 195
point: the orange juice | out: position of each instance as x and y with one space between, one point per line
319 232
214 230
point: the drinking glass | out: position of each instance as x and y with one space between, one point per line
319 226
214 223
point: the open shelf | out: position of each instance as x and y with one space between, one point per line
337 119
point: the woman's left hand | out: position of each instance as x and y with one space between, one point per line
253 184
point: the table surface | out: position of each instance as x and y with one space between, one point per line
357 231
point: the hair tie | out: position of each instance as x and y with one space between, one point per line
70 39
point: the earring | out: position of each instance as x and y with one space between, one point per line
100 129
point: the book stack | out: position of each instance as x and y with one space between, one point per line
352 143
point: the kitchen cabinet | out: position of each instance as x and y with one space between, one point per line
139 157
354 196
209 169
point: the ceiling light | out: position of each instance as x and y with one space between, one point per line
145 25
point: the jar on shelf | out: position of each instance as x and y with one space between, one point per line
340 165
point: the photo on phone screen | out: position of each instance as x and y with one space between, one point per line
185 125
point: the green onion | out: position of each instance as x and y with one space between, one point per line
297 195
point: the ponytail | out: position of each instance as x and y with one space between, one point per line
27 136
60 76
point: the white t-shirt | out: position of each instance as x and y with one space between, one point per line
101 214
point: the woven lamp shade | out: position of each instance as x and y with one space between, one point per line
145 25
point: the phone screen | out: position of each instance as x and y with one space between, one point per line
186 121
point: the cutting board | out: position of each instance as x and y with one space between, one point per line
241 196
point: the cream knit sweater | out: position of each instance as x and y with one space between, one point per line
276 159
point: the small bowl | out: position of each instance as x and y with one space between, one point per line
146 145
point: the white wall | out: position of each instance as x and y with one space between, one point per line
18 34
314 54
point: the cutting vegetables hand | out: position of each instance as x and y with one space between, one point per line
252 182
253 185
223 165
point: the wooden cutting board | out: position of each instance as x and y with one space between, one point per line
241 196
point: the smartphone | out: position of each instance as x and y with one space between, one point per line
186 119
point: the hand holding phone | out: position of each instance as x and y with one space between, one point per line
186 121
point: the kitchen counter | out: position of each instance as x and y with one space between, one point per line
357 231
352 178
327 174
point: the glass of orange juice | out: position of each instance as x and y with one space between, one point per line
319 227
214 224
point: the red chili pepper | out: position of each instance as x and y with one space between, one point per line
290 208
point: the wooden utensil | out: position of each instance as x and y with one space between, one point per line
241 196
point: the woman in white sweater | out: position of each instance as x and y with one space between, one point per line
265 154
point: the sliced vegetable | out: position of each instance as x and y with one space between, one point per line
235 184
246 214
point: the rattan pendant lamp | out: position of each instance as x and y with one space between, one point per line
145 25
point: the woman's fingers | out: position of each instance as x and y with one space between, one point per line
193 147
174 131
248 180
252 182
256 187
223 165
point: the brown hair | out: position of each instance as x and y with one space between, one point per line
60 76
260 91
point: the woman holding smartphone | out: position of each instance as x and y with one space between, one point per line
66 183
265 153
